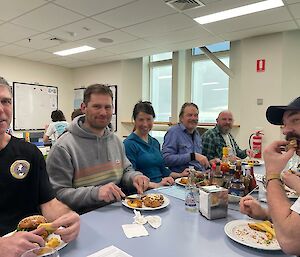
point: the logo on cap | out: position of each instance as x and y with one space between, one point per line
19 169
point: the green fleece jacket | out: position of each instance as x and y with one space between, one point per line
81 162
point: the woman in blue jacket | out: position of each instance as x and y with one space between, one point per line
143 151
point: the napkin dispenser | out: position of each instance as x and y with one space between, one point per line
213 202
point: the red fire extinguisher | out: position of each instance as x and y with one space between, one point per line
255 143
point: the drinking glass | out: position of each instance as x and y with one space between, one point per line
41 251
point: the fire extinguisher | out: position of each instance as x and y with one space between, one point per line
255 143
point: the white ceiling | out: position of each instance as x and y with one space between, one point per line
33 29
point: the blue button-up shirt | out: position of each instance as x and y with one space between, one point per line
178 146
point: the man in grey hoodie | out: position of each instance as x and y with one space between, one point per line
88 163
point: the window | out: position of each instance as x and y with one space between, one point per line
161 85
209 85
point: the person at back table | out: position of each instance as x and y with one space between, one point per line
283 213
87 166
56 127
143 151
215 139
25 189
182 145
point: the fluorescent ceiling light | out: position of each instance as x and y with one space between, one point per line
75 50
239 11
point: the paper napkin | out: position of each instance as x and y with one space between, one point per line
134 230
154 221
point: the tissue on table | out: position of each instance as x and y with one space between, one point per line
154 221
139 218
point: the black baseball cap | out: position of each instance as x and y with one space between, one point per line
274 113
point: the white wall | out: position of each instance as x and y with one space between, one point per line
277 85
15 69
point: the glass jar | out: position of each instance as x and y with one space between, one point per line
237 188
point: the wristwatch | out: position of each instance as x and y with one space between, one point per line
273 176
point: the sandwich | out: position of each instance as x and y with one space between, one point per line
294 142
33 222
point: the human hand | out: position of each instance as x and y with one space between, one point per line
215 160
291 180
110 192
202 160
67 225
184 173
20 242
167 181
252 208
250 153
275 160
141 183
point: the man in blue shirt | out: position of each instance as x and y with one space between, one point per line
182 145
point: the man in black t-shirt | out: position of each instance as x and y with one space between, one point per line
25 189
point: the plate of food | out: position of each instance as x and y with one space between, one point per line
147 202
35 221
256 162
290 193
252 233
181 181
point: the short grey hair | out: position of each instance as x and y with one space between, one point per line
4 83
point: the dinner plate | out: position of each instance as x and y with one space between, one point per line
257 162
144 208
60 246
290 193
239 231
177 181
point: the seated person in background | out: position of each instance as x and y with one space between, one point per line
215 139
182 145
284 215
56 127
75 113
25 189
88 163
143 151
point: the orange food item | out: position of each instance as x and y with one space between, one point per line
135 203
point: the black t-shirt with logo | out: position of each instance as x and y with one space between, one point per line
24 183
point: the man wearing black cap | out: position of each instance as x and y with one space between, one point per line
284 215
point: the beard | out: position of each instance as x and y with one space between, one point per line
292 136
225 129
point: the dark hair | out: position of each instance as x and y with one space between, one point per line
186 105
143 106
96 89
76 113
5 84
57 116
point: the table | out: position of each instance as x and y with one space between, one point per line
182 234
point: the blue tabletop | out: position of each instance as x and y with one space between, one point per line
182 234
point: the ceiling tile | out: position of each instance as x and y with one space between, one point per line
298 22
47 17
128 46
91 7
181 35
141 53
13 50
134 13
80 29
295 10
292 1
250 21
40 41
2 43
11 32
63 46
262 30
36 56
13 8
161 25
117 36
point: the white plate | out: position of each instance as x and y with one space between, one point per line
177 181
239 231
144 208
257 162
61 245
290 193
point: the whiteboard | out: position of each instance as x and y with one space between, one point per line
33 105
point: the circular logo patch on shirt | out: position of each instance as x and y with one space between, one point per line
19 169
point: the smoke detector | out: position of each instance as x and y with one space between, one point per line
182 5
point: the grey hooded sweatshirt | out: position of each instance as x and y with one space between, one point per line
81 162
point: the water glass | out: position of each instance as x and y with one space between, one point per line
41 251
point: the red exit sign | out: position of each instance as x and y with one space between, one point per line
260 65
